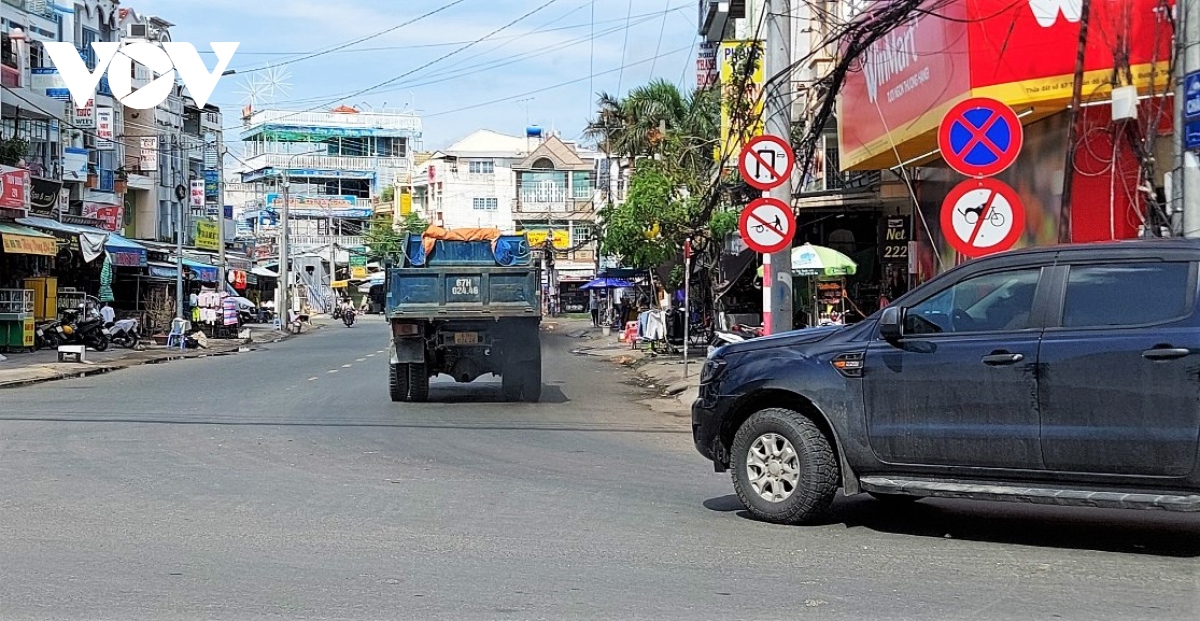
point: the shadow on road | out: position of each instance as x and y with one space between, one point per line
485 392
1155 533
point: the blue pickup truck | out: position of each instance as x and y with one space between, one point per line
465 309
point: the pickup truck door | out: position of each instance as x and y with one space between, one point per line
1120 384
960 388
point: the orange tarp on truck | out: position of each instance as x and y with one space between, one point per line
434 233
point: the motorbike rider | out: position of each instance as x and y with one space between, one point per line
107 314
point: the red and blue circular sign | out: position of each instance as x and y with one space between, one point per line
980 137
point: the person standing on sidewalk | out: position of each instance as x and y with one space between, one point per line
594 307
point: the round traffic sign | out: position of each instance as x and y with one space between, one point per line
767 225
766 161
982 216
980 137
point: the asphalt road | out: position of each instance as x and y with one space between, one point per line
283 484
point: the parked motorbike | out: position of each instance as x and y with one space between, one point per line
47 335
84 329
348 316
125 333
735 334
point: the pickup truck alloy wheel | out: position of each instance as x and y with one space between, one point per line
784 469
773 467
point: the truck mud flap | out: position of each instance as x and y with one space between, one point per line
407 351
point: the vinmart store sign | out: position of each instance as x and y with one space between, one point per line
1021 53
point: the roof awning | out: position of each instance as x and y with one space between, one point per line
124 252
202 271
17 239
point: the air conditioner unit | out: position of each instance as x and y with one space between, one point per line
137 31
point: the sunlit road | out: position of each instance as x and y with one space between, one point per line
283 484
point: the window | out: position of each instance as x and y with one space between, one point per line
1126 294
581 185
86 39
985 303
481 167
489 204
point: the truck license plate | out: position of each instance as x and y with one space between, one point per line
466 338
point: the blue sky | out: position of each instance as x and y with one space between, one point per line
522 65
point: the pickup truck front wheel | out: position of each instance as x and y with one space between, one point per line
784 469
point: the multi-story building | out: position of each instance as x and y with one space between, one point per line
334 163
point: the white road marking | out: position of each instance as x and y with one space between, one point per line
347 366
333 370
313 379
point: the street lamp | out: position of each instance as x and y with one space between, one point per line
283 297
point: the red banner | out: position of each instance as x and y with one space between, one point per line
14 185
110 215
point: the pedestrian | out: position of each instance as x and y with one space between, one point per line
594 307
107 314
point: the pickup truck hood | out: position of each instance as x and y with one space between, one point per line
783 339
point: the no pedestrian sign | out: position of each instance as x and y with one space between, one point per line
981 217
766 162
980 137
767 225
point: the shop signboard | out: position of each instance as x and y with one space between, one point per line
210 183
85 117
148 154
47 81
207 235
1022 54
358 256
197 193
559 239
109 215
732 57
105 130
896 233
13 187
43 196
706 65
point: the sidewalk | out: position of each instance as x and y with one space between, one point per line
663 373
43 365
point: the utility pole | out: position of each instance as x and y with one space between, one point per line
283 304
777 266
1185 186
221 267
179 225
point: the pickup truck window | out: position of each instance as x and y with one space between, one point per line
985 303
1126 294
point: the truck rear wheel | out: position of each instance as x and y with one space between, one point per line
398 381
531 382
418 383
510 385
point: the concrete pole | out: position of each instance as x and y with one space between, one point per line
1185 184
221 267
283 290
777 266
179 226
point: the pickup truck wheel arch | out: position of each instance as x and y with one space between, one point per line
775 398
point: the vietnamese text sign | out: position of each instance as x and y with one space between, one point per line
740 96
105 131
197 193
148 156
207 235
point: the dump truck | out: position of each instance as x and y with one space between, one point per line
464 303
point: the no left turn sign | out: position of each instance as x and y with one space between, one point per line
982 216
766 162
767 225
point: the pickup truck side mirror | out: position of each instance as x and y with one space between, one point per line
891 323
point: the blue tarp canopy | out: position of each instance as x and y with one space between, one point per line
124 252
203 271
608 283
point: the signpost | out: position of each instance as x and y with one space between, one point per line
981 217
766 161
1191 112
980 137
767 225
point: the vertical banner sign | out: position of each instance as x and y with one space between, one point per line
197 193
210 183
104 128
706 65
148 156
745 108
207 235
13 184
897 232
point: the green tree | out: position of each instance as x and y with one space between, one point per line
386 239
388 194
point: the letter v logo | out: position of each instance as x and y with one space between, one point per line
79 80
1046 11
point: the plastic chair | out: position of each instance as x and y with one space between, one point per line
177 334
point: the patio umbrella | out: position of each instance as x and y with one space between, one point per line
608 283
811 260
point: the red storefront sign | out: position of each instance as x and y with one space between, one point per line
14 184
109 215
1021 53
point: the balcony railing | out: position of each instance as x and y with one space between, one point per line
328 162
394 120
298 242
560 206
10 76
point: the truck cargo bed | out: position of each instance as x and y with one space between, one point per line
447 292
